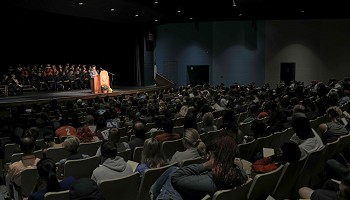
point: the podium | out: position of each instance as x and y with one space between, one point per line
97 81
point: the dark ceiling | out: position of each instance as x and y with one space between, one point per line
166 11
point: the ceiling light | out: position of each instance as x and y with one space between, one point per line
191 18
156 1
112 9
240 14
81 3
178 11
302 11
233 3
136 15
156 20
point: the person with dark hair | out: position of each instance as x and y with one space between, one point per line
113 166
220 172
331 130
47 177
230 126
168 134
28 161
334 189
305 137
139 129
84 189
190 121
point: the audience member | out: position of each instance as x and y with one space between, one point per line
218 173
113 166
305 137
47 177
139 132
152 156
332 129
194 146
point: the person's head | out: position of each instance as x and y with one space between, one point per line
290 152
101 123
208 119
334 112
152 154
229 120
108 149
139 129
84 188
344 187
298 109
33 131
47 172
167 125
258 128
301 125
191 139
71 144
190 121
89 119
114 135
224 151
27 144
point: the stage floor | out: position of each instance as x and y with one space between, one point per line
43 97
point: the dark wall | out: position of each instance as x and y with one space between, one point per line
39 38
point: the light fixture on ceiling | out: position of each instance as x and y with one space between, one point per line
233 3
156 2
178 10
156 20
240 15
136 15
80 3
190 18
112 9
302 11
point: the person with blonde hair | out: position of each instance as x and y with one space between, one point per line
330 131
194 146
208 123
152 156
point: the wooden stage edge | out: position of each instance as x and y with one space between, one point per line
45 97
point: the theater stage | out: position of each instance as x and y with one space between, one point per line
44 97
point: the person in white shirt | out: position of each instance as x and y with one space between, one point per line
305 137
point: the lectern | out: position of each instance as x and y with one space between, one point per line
97 81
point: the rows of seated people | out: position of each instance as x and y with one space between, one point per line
48 78
196 110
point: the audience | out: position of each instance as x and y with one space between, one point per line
139 132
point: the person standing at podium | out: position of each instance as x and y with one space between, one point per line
93 71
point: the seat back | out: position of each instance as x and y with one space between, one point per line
18 156
81 168
192 161
56 154
219 122
247 150
246 128
262 142
9 148
331 149
344 142
178 129
41 143
121 188
239 192
286 183
125 154
89 148
149 177
170 147
61 195
212 135
124 139
149 126
264 184
137 155
29 177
